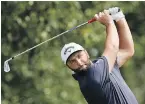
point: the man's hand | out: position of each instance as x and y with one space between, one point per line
116 13
104 18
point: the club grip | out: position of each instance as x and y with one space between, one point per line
92 20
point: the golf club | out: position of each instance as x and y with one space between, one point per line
6 65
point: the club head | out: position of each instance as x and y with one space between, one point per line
6 66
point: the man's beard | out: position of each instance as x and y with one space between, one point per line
81 69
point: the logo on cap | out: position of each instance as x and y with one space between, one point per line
68 49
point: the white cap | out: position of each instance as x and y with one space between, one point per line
69 49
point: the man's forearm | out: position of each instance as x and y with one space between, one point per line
111 45
112 36
125 37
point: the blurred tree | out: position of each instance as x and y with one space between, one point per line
39 77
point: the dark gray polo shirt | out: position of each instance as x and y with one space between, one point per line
98 86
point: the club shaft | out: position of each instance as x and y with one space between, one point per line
48 40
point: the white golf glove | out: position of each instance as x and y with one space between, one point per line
116 13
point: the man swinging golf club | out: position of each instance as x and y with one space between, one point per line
100 80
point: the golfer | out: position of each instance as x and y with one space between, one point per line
100 80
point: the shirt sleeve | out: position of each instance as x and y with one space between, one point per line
101 70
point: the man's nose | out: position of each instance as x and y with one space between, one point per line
79 62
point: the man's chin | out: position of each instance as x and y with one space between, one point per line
80 69
84 68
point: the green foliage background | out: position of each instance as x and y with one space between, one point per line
39 76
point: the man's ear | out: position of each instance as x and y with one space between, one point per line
87 53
